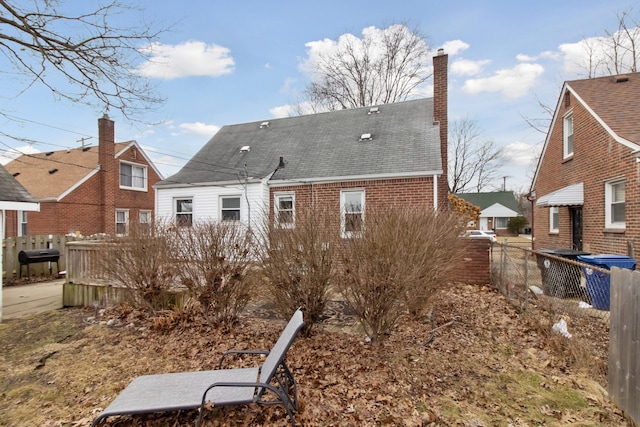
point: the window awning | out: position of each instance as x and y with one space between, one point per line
572 195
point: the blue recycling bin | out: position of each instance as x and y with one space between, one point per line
598 283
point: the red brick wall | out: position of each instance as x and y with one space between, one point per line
597 159
383 192
475 265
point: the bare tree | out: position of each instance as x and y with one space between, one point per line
85 57
473 159
385 66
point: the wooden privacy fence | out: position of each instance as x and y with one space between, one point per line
11 247
624 341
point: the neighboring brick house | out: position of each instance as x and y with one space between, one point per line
391 154
86 190
586 183
496 208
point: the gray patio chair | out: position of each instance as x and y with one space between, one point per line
221 387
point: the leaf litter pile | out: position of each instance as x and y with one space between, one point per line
477 362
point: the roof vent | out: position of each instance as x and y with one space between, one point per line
264 125
16 174
366 137
86 148
52 171
373 110
49 153
620 79
245 148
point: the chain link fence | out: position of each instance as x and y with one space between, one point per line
554 281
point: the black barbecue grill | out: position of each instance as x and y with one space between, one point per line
38 255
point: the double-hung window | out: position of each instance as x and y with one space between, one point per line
284 210
122 221
145 220
615 204
230 208
352 212
567 136
22 223
133 177
554 219
184 212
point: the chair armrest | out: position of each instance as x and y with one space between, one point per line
236 352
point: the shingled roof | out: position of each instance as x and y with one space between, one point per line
484 200
612 99
11 190
398 140
49 175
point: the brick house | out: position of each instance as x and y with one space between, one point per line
346 160
86 190
586 183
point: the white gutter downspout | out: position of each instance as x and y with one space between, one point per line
435 193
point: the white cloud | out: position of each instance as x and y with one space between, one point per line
466 67
521 153
199 128
13 153
453 47
513 83
192 58
547 54
289 110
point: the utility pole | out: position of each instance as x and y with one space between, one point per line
83 139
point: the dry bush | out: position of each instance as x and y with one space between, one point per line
214 263
140 262
298 264
397 264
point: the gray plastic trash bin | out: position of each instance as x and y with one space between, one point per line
560 279
598 283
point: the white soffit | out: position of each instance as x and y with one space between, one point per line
571 195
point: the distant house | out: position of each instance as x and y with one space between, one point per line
496 208
86 190
13 197
346 160
586 183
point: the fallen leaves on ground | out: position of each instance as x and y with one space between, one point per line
486 364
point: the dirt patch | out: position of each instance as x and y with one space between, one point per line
486 364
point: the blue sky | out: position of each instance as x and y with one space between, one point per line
243 61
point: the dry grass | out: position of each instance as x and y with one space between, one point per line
487 365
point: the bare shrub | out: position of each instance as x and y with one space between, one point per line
140 261
214 263
399 261
298 263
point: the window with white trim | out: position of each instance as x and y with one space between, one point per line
615 204
230 208
501 222
554 219
145 217
567 136
352 212
22 223
133 176
122 221
184 212
284 212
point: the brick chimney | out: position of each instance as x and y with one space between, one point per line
440 115
109 174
